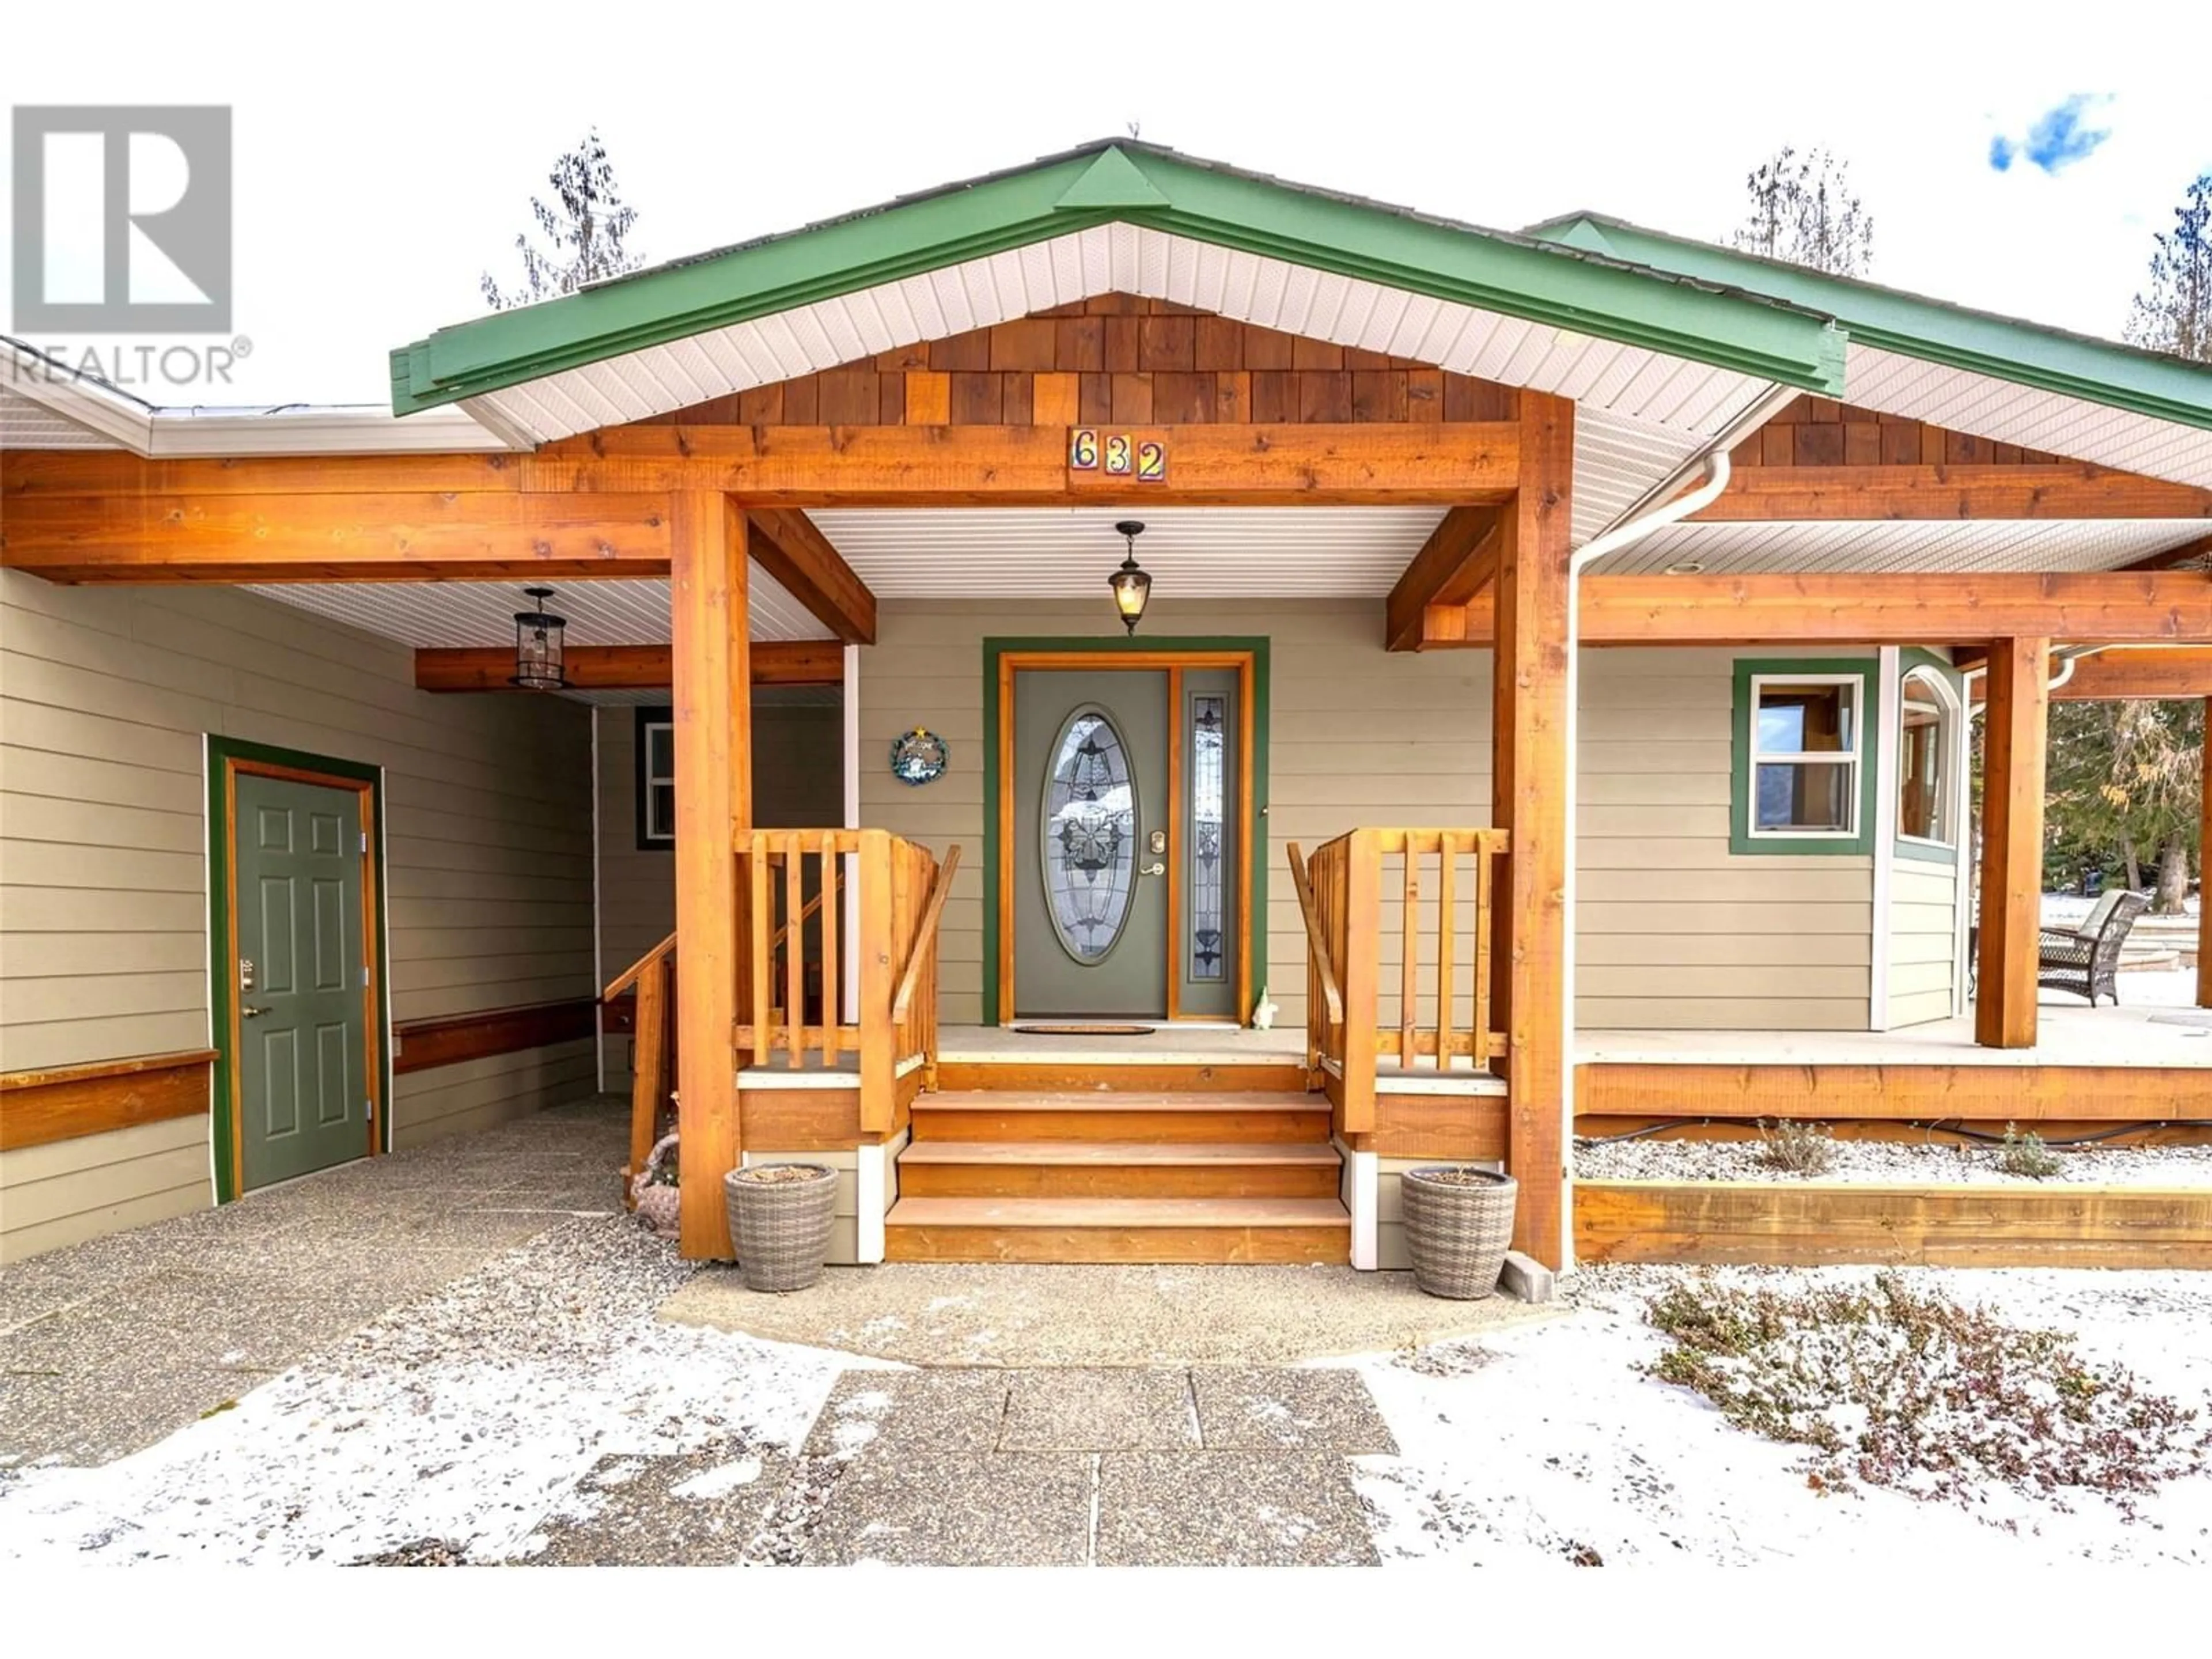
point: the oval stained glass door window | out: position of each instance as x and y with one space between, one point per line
1089 829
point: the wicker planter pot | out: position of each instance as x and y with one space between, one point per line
781 1217
1459 1224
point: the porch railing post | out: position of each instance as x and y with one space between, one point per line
1363 975
879 970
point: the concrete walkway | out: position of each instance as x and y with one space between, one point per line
464 1353
110 1345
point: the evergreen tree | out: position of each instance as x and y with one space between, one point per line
586 231
2174 313
1803 211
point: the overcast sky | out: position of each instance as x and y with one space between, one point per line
386 155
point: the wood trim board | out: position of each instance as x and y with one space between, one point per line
421 1045
1808 1224
65 1103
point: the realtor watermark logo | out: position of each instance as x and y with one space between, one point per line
123 226
123 220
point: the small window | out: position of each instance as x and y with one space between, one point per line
1927 753
656 780
1805 754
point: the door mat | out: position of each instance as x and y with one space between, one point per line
1084 1030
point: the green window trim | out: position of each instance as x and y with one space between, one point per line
1255 925
1867 670
1909 659
223 972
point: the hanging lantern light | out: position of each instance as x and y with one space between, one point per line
1131 587
538 644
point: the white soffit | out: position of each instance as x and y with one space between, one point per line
1864 548
2008 412
1665 408
1193 553
446 615
25 424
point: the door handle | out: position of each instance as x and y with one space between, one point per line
1153 869
251 1013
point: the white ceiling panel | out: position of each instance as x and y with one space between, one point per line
444 614
1856 547
1305 552
26 425
2013 414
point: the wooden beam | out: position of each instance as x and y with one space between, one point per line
2106 607
1783 1223
412 538
1458 561
1904 1092
714 800
626 667
2013 742
1528 789
787 544
2147 672
2063 490
1447 463
421 1045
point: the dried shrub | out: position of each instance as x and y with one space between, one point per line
1893 1388
1805 1149
2026 1155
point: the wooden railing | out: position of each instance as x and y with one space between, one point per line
653 1049
794 887
1397 953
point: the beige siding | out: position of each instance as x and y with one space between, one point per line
105 695
69 1191
1677 933
1359 737
799 783
1922 940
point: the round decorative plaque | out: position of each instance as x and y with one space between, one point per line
918 756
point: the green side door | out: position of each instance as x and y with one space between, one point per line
303 1039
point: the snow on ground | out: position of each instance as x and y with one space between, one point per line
1655 1158
463 1418
1545 1443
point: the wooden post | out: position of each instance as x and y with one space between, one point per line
2204 872
2014 729
1362 968
1527 795
879 975
648 1065
712 683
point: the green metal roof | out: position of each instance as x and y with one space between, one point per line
1709 320
2149 383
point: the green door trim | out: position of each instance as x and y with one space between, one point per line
996 648
225 757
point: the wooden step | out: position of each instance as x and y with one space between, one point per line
1118 1168
1220 1119
1028 1076
1296 1229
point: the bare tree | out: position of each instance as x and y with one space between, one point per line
2174 313
586 230
1803 211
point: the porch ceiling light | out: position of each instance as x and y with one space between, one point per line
539 645
1131 587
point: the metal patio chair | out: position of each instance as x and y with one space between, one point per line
2087 960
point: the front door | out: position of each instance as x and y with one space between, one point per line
1126 832
303 1050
